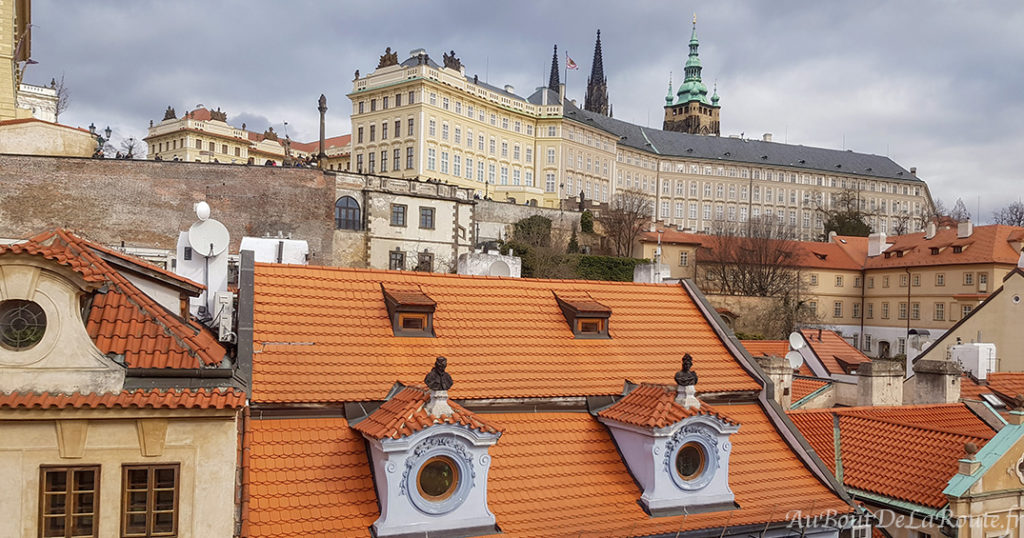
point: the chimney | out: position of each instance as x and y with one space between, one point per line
880 383
876 244
767 137
543 95
964 229
780 373
930 230
936 382
913 171
561 93
686 385
832 236
438 381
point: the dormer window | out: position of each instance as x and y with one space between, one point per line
586 317
411 312
958 249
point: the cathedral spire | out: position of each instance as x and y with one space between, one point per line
596 99
669 99
553 81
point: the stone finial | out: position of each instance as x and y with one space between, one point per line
971 449
438 381
686 379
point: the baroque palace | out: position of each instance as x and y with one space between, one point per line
418 118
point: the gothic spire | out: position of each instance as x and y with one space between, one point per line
692 88
553 81
596 99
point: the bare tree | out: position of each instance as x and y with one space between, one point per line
132 148
629 214
843 213
757 259
960 212
63 96
1011 215
901 223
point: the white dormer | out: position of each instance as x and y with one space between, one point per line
430 463
675 447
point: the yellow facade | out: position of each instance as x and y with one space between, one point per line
191 139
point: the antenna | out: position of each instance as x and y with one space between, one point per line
796 341
795 359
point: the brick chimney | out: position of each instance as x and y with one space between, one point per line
936 382
780 373
880 383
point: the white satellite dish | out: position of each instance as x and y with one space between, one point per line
795 359
208 238
203 210
796 341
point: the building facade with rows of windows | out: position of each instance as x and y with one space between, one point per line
417 118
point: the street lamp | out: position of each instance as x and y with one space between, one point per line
100 140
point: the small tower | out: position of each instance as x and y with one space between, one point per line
596 99
691 111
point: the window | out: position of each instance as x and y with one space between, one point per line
411 123
150 500
362 106
398 215
885 310
968 279
982 279
915 310
870 311
68 499
940 279
940 311
398 100
22 324
373 105
966 310
867 342
431 159
690 461
199 144
589 326
224 148
396 260
372 165
839 281
212 146
373 133
431 128
384 130
412 97
885 281
427 218
856 310
916 280
437 479
384 161
346 214
837 309
397 165
684 259
871 282
856 282
425 262
903 311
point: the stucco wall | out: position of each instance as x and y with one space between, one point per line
41 138
495 219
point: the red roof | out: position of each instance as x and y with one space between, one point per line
654 406
403 415
329 143
323 335
668 235
766 348
803 387
200 114
138 399
833 350
552 474
123 320
987 244
907 453
1008 386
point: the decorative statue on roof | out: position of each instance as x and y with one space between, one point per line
437 378
217 115
169 114
389 58
357 75
269 134
686 376
451 62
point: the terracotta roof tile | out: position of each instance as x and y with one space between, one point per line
766 348
139 399
654 406
803 387
904 452
833 350
307 477
987 244
323 334
123 320
404 415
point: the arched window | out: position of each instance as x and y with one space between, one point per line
346 214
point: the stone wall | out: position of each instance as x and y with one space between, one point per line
494 220
146 203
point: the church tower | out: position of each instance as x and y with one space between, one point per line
553 82
690 110
596 99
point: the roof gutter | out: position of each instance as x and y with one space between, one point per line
766 397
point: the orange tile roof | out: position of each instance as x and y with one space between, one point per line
668 235
1007 385
124 320
906 453
323 335
833 350
403 415
306 477
200 114
332 142
137 399
803 387
809 254
654 406
766 348
552 474
987 244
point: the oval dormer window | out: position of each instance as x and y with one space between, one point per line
690 461
22 324
438 478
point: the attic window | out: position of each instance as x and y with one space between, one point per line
411 312
586 317
820 256
690 461
899 253
935 251
957 249
888 255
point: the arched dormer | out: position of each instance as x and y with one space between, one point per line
430 462
674 446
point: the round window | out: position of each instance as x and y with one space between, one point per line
690 461
438 478
22 324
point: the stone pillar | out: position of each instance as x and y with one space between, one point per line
780 374
880 382
936 382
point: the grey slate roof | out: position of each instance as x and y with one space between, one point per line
537 97
736 150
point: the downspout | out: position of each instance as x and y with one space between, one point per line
863 292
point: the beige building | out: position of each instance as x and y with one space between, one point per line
420 118
117 416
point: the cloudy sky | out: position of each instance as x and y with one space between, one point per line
936 85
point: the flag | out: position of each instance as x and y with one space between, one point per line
569 64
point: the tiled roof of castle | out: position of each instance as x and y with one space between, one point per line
324 335
552 474
654 406
833 349
123 320
987 244
907 453
403 415
137 399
